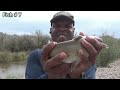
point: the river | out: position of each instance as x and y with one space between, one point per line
12 71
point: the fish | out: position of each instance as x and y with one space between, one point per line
71 48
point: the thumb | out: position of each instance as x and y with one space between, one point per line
81 33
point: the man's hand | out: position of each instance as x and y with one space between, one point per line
93 46
54 67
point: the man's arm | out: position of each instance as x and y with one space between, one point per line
90 72
33 67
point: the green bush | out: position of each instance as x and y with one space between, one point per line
109 55
6 57
20 56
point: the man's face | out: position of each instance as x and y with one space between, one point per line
62 30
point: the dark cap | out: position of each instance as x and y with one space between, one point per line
63 14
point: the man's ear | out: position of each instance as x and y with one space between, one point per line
73 30
50 30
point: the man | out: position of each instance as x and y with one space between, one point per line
41 66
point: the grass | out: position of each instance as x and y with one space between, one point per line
7 57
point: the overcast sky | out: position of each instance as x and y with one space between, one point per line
90 22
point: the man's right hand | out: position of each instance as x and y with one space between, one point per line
54 67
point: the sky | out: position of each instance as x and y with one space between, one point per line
89 22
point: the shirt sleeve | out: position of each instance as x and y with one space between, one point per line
90 72
33 67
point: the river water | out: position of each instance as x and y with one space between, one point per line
12 71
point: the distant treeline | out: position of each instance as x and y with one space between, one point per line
16 43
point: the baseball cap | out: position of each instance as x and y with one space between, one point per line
63 14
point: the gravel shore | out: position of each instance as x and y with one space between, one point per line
110 72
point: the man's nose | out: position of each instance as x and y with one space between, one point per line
62 29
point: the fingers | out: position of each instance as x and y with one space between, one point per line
99 39
55 61
81 33
95 43
104 45
91 50
100 42
61 69
82 56
82 65
83 60
46 50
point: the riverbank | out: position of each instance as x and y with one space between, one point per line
17 71
112 71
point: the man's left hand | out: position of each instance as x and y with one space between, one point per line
93 46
